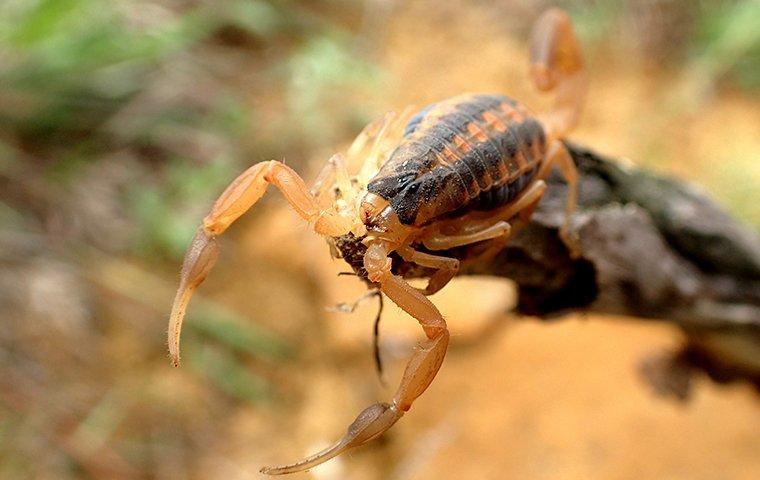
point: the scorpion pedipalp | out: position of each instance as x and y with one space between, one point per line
239 196
419 373
369 424
199 260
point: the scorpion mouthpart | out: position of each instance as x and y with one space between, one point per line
200 257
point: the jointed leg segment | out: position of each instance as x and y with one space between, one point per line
333 175
446 267
472 233
559 156
250 186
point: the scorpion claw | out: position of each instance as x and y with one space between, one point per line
370 423
200 257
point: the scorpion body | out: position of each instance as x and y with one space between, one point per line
471 152
453 175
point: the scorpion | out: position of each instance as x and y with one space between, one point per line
463 169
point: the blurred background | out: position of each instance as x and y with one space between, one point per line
120 122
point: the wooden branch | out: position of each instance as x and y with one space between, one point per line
653 248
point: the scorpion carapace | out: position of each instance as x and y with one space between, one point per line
412 190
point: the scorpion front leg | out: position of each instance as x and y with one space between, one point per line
419 372
446 267
242 193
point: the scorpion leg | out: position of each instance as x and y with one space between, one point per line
557 64
446 267
476 227
373 145
559 156
370 134
522 208
419 372
334 173
524 205
242 193
486 231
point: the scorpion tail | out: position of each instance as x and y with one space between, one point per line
557 65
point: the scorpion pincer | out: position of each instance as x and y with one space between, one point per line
462 169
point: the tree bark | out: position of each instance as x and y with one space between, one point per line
652 248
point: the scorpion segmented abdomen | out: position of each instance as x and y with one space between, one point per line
471 151
474 160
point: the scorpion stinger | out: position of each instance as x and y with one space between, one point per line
241 195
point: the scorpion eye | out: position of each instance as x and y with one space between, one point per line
413 187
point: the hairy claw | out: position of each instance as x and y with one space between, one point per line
370 423
200 257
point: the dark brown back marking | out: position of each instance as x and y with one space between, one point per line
455 151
